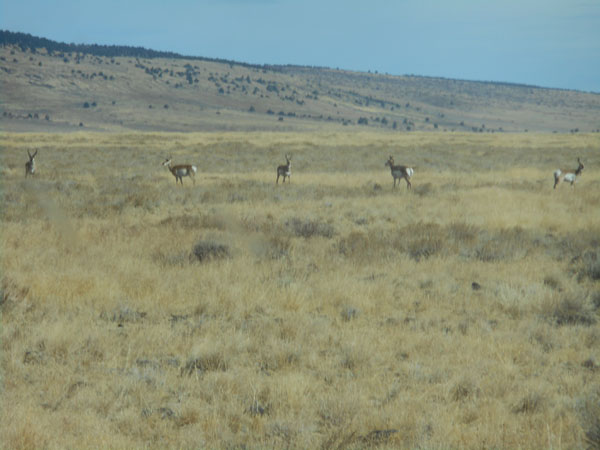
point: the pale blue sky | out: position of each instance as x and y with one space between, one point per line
550 43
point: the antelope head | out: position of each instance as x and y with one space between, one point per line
580 167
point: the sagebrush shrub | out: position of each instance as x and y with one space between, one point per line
208 250
310 228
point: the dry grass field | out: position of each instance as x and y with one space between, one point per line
330 312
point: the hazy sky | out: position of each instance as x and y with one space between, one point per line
550 43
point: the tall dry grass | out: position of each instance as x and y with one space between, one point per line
331 312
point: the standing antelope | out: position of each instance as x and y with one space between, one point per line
181 170
30 165
285 170
399 172
568 176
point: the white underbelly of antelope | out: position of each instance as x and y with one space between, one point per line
568 176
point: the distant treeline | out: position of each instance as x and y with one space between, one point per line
26 41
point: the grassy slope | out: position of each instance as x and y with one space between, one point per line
343 307
131 94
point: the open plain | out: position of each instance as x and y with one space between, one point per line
329 312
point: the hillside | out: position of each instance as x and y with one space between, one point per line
48 86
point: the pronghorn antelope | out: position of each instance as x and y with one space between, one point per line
568 176
399 172
30 165
181 170
285 170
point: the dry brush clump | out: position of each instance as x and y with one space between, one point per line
207 250
571 308
308 228
589 410
587 264
458 239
